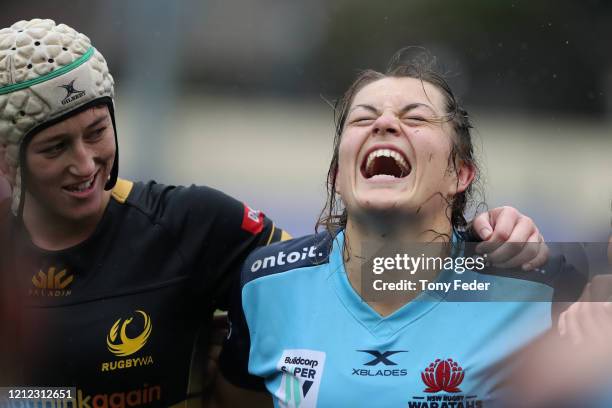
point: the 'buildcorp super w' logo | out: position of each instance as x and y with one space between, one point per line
127 345
443 375
51 283
301 378
121 344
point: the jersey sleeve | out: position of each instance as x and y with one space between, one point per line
213 233
234 358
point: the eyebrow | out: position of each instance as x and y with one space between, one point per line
55 138
96 122
405 109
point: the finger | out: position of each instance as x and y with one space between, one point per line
515 243
574 330
599 312
525 252
562 325
481 225
573 317
541 258
591 320
503 221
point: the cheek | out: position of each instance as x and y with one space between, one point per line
434 154
106 149
346 166
108 143
41 171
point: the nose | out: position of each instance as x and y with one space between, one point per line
387 123
82 160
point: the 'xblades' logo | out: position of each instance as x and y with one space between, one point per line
385 365
381 357
71 92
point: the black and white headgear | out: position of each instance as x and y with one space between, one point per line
48 72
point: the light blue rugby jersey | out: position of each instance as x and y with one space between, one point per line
311 340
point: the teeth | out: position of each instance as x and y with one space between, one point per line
79 188
386 153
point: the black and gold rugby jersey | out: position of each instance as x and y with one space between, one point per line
121 315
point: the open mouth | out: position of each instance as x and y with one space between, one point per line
385 162
82 187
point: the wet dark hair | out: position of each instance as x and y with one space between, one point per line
409 62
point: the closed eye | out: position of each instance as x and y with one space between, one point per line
363 120
414 120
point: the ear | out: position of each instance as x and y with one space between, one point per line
338 185
465 175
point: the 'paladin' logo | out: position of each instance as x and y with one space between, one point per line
51 284
71 93
128 346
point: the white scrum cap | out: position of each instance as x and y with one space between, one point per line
48 72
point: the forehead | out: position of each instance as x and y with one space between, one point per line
398 92
75 123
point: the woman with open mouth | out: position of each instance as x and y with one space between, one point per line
108 285
314 324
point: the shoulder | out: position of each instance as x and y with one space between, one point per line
564 278
280 257
155 199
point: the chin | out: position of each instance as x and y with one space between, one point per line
82 212
377 209
381 200
77 215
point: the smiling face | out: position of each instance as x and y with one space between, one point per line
394 151
67 166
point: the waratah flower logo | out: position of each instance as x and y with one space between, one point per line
443 375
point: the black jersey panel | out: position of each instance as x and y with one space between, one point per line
118 316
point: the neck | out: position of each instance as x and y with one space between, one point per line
390 234
52 232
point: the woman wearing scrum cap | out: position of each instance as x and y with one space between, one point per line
108 285
402 172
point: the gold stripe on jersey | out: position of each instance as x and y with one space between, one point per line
271 235
285 236
277 234
122 190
